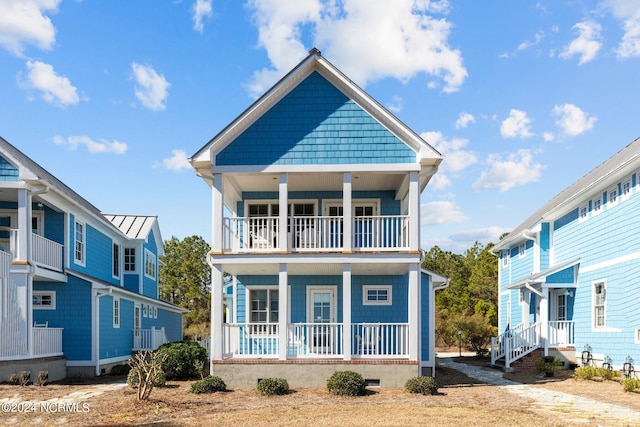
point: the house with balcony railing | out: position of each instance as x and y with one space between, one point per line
568 273
78 289
315 236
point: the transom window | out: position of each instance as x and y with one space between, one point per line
376 295
599 304
44 300
263 305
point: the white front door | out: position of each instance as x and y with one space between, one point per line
321 315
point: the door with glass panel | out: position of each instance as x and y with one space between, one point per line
363 230
324 333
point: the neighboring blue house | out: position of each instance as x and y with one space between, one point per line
569 274
316 218
79 289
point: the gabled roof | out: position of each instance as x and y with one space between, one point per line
598 179
204 158
137 227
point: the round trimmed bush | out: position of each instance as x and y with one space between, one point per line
184 359
273 386
346 383
211 384
421 385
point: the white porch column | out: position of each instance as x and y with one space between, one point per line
283 310
21 273
414 212
346 311
217 214
544 319
347 223
24 226
217 304
283 234
414 312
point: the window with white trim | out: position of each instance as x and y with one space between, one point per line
583 211
263 305
626 189
599 304
130 260
522 249
155 312
116 312
79 242
376 295
44 300
149 264
612 197
596 205
505 259
144 310
116 260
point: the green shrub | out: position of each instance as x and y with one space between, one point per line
271 386
631 384
591 372
422 385
209 384
120 370
133 379
184 359
346 383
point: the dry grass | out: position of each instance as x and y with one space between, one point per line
462 401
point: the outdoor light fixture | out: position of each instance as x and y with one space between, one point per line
586 355
627 368
606 363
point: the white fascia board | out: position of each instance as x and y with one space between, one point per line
301 258
359 167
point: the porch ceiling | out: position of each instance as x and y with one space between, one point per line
318 269
326 181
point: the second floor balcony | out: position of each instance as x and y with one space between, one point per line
45 253
315 234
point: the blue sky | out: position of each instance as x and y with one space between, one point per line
521 98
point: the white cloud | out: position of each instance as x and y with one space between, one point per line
464 119
548 136
527 43
94 147
441 212
396 104
23 22
152 87
516 125
201 9
56 90
366 39
573 121
455 158
177 162
629 13
518 169
483 235
586 45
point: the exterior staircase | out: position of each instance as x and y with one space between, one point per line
510 348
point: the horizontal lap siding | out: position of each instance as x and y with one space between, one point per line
315 124
115 342
8 172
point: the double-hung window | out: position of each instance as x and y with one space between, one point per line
149 264
599 304
263 305
79 242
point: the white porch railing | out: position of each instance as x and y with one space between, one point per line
44 252
316 340
515 343
47 341
250 340
560 333
378 340
148 339
315 233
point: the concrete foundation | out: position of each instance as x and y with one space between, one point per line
313 373
56 366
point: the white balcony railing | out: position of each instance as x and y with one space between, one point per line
148 339
250 340
560 333
47 341
315 340
380 340
315 233
44 252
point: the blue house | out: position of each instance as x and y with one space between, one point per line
78 289
568 274
316 223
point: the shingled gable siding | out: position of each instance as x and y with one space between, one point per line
315 124
7 171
